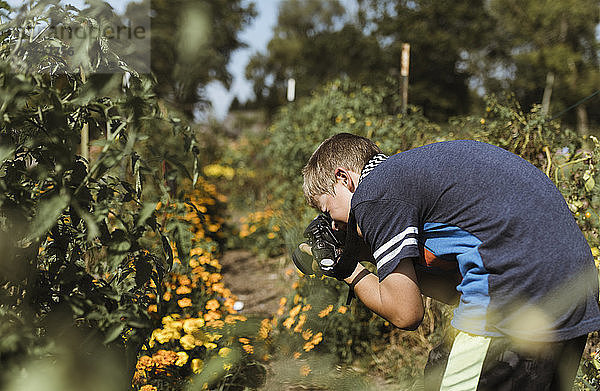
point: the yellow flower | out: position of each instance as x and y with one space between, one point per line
182 358
297 355
326 311
212 305
244 340
296 310
144 363
338 119
305 370
183 290
482 121
224 352
307 334
188 342
282 301
306 308
368 123
288 322
297 298
212 315
301 320
148 387
248 348
185 302
342 309
210 345
271 235
192 324
152 308
227 366
197 365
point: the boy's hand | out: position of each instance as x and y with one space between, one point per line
339 267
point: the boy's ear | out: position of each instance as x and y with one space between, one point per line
342 175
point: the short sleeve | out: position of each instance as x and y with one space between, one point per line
391 228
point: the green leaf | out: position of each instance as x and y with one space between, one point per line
590 183
48 213
166 243
113 332
145 213
143 271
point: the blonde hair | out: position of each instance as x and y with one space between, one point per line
344 150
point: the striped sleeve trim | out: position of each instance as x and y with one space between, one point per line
392 255
394 241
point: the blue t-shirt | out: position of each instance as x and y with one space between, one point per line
476 211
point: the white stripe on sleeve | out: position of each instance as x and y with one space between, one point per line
392 254
394 240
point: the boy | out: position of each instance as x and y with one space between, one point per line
465 222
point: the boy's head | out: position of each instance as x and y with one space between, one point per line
343 151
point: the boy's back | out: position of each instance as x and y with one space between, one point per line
475 209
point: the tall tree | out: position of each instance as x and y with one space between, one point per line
192 42
441 35
551 53
314 41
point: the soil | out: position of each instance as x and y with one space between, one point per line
257 283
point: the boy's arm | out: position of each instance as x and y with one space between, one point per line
397 298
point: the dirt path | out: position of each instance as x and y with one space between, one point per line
256 282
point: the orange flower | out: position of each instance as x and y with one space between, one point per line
212 305
307 307
183 290
244 341
197 365
307 334
148 387
301 320
288 322
185 302
295 311
326 311
164 358
144 363
212 315
343 309
248 348
152 308
167 296
305 370
297 355
218 324
282 301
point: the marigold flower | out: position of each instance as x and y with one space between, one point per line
218 324
197 365
248 348
342 309
271 235
282 301
192 324
183 290
210 345
164 358
297 355
307 307
244 341
182 358
167 296
148 387
288 322
296 298
212 315
305 370
188 342
144 363
184 280
212 305
152 308
307 334
139 377
326 311
301 320
295 311
214 278
185 302
317 338
227 366
224 352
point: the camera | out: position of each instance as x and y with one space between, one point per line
326 244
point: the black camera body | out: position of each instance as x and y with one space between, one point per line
327 246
